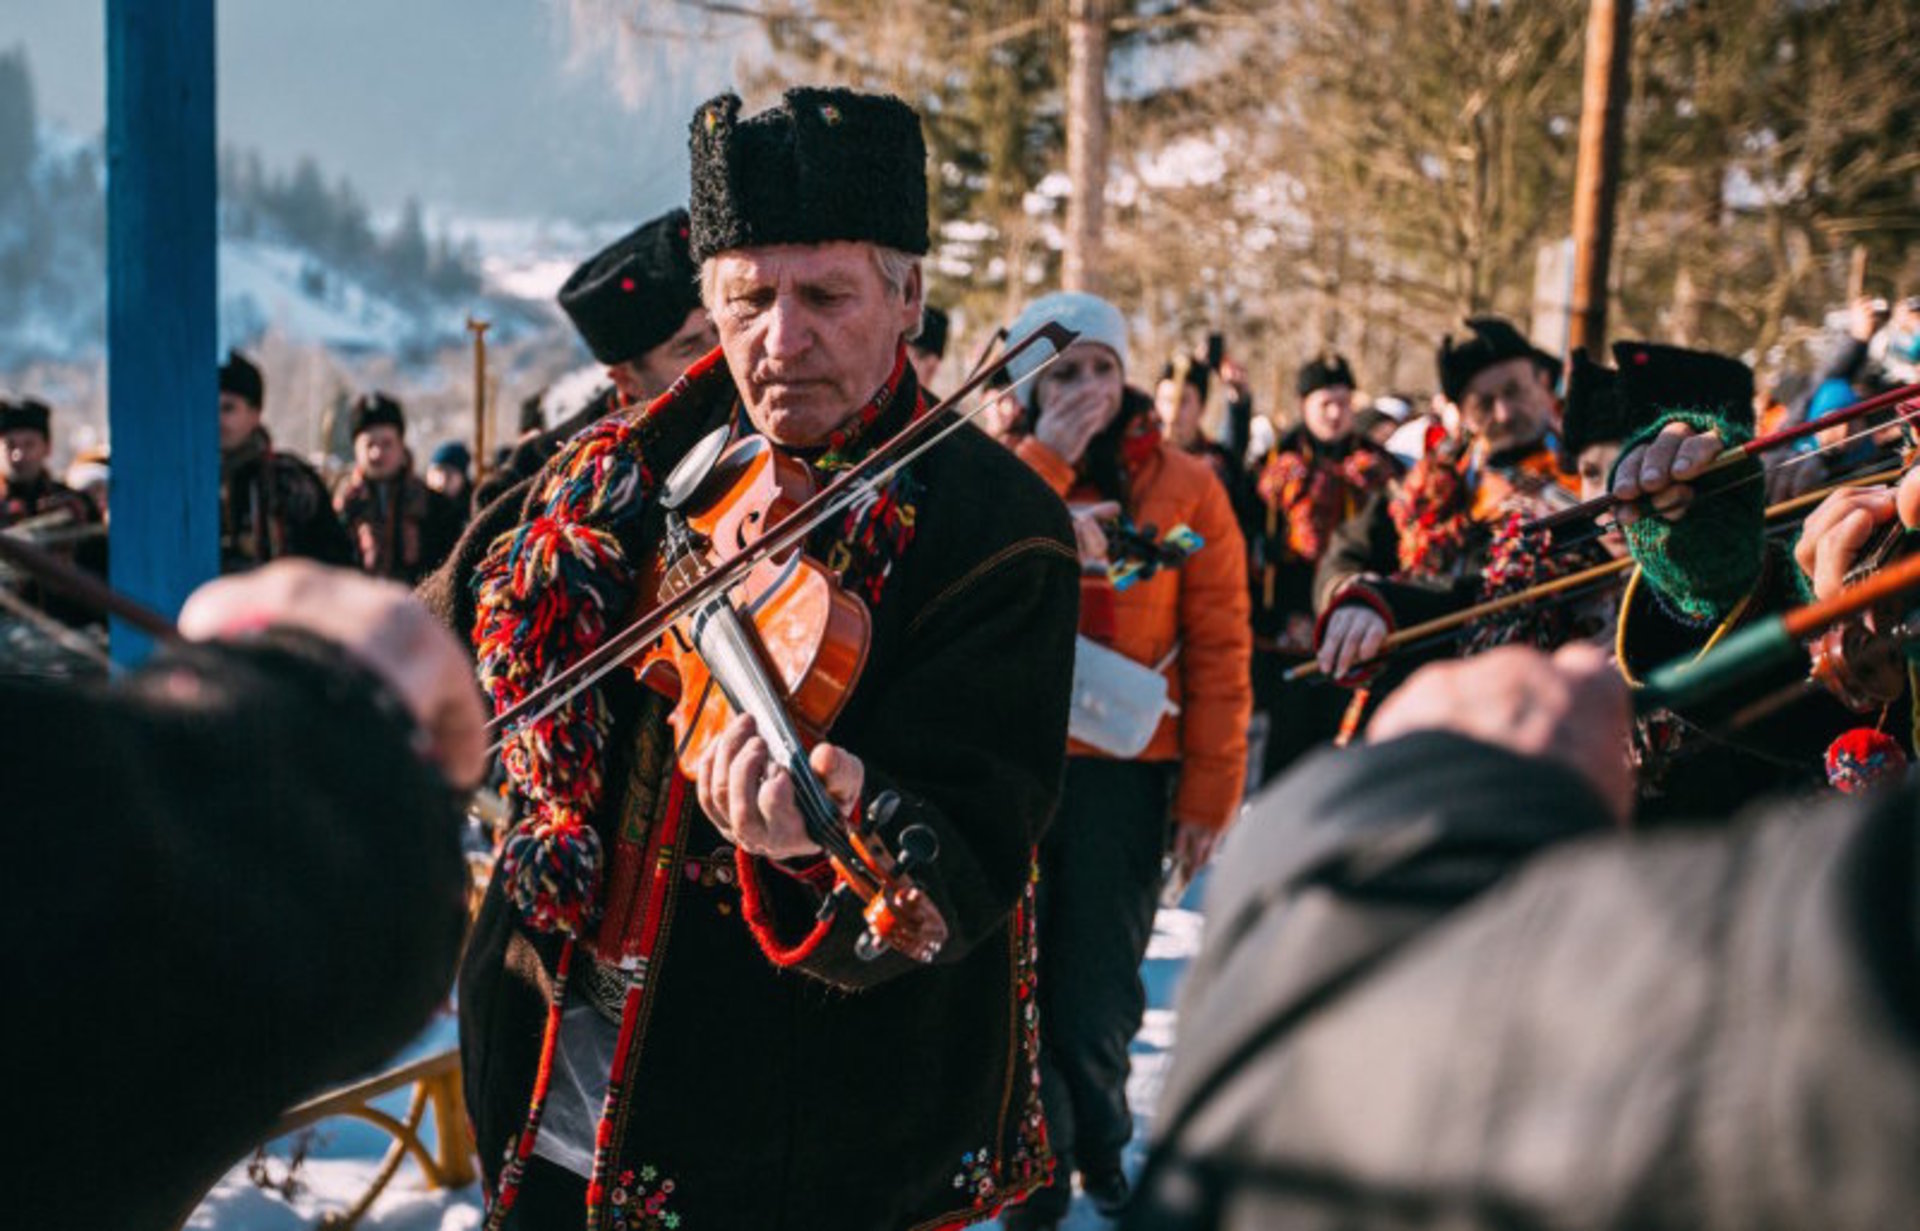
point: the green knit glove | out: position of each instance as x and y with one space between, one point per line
1706 562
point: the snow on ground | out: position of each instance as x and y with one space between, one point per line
343 1155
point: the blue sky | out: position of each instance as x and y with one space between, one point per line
477 108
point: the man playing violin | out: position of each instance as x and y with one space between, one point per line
666 1011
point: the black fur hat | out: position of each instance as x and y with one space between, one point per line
1324 371
1492 340
636 293
823 165
375 409
1189 371
1592 412
28 415
241 378
1655 379
933 331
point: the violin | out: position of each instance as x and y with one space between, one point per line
784 645
1861 660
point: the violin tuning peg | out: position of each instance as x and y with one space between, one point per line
831 902
919 846
881 810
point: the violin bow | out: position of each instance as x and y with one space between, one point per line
1420 634
82 587
1753 448
848 487
1767 644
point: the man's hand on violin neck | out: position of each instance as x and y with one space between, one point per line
1838 531
751 800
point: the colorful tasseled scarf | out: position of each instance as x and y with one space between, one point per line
552 590
1314 494
1430 514
1515 562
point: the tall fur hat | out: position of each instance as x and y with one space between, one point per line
375 410
1490 340
823 165
1592 412
240 377
27 415
933 331
1655 379
1323 371
636 293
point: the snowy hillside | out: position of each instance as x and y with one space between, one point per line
357 295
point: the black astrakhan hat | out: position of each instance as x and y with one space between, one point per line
1656 379
933 331
375 409
823 165
636 293
1187 370
27 415
1592 412
241 378
1324 371
1491 340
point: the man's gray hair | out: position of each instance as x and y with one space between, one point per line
896 269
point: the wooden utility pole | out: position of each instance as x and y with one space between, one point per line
1602 118
478 328
1086 142
161 321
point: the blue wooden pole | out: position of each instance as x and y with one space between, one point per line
161 309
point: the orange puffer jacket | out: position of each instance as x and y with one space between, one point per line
1201 605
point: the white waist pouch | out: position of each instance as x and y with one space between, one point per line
1117 702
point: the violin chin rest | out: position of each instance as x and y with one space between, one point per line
692 470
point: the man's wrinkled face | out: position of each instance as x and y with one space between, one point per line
1328 413
646 378
1177 405
26 455
1509 404
810 332
238 419
379 451
1595 463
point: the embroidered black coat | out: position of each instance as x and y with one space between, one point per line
272 504
22 501
779 1081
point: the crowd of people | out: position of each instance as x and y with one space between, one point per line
1095 627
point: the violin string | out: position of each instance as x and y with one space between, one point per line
614 650
1910 415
